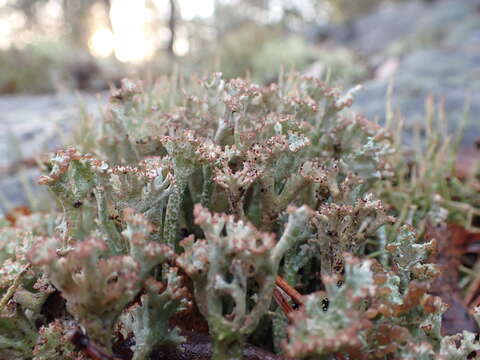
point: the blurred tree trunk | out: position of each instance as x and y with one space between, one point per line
76 17
172 25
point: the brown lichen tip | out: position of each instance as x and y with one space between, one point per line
248 239
60 163
128 89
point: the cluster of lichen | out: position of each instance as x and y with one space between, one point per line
201 195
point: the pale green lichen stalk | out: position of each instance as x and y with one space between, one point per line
234 260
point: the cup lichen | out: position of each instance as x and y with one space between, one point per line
201 199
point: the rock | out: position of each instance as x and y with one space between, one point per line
31 125
436 48
375 32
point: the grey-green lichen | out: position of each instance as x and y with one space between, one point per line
201 198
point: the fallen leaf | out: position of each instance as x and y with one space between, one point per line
450 247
